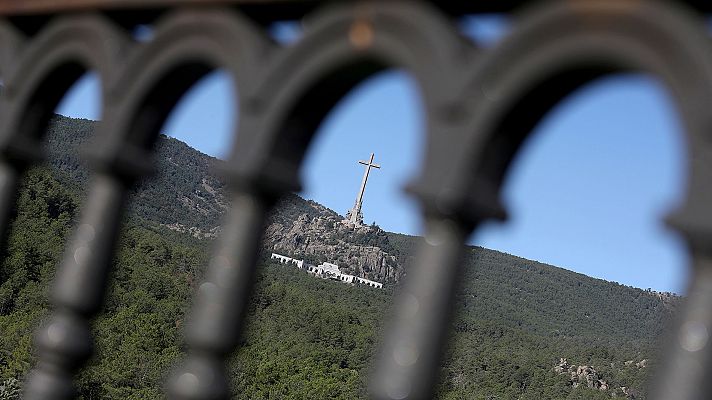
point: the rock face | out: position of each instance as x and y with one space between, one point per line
585 375
640 364
581 375
626 392
323 237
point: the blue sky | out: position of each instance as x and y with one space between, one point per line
588 191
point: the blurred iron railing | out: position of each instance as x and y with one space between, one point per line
480 104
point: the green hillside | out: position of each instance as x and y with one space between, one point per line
309 338
185 189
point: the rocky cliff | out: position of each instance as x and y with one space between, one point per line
186 194
324 237
588 376
514 316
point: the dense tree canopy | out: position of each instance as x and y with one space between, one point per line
306 338
310 338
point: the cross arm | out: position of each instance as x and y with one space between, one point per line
367 163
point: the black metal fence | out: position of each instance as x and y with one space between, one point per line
480 104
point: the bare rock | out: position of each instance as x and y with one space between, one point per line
326 238
582 375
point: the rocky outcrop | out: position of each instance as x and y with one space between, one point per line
626 392
670 300
326 238
587 376
194 231
640 364
581 375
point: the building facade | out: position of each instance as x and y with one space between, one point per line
326 270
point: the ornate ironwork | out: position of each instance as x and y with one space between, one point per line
480 104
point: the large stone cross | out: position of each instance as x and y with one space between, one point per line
354 215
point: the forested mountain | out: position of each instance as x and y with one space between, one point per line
186 194
522 330
183 192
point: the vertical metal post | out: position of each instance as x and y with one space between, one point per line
685 375
217 318
9 180
410 359
65 341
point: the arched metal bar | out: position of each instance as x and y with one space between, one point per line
185 47
409 362
10 43
147 84
36 73
218 315
43 69
342 46
11 40
552 51
479 111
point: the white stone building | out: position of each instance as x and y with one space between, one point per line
369 282
327 271
287 260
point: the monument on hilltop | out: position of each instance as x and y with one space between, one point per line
354 215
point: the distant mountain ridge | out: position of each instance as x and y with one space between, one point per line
519 324
187 195
183 192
